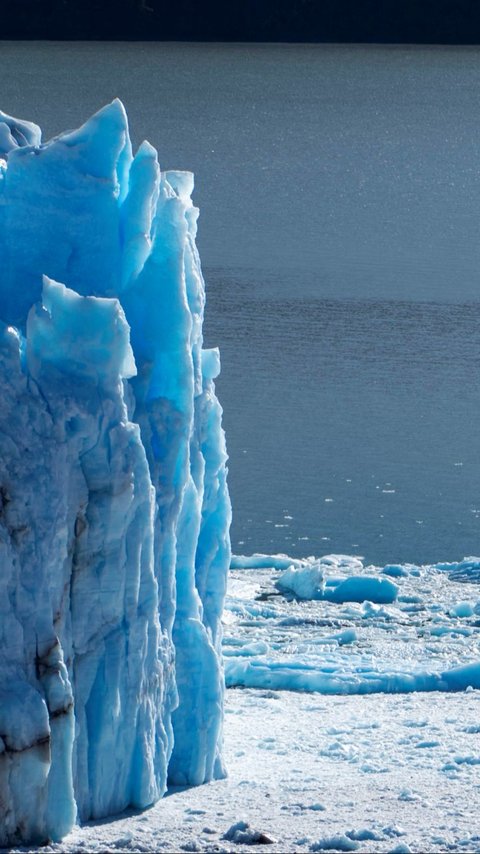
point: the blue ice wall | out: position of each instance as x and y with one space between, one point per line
114 508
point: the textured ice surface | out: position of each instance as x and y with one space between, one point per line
114 510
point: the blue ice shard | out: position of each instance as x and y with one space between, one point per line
114 508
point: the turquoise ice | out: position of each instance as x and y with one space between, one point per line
114 508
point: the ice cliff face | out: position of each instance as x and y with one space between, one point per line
114 509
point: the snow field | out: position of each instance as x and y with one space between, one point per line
378 770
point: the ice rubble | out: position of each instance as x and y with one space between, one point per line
114 509
425 638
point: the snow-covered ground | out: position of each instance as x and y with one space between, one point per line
304 768
320 771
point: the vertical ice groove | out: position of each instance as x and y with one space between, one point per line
114 509
138 210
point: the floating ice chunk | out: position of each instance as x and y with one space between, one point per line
310 582
362 588
261 561
297 675
246 649
460 678
342 561
395 571
463 609
304 582
466 570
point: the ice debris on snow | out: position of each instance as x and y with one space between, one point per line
114 510
364 834
463 609
243 834
393 830
340 842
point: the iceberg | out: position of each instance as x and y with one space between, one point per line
309 580
114 507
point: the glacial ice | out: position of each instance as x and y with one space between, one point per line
114 508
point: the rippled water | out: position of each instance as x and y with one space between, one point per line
340 197
365 412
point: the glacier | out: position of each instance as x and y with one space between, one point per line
114 506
